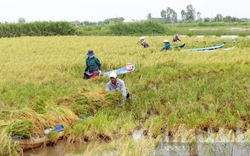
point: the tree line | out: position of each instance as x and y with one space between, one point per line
8 30
189 15
36 29
137 28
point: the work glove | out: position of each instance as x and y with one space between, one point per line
100 72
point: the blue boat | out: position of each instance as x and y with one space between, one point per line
121 71
179 46
204 49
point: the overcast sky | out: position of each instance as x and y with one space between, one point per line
99 10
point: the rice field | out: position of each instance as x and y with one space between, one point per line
173 93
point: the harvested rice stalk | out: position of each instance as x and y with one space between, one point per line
20 128
89 102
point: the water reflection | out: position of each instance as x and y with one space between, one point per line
61 148
212 144
203 148
209 144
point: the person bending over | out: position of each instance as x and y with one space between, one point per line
117 84
166 46
176 38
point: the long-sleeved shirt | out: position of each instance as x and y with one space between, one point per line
120 85
166 47
176 38
92 64
145 44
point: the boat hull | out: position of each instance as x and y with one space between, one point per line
204 49
34 142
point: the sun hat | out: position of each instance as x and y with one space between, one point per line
142 37
165 41
90 53
113 74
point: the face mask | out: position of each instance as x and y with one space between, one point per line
91 56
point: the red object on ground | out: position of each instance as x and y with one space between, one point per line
95 74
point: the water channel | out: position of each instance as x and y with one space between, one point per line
211 144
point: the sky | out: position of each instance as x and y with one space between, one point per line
99 10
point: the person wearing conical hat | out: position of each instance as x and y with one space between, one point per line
166 46
143 42
93 65
142 38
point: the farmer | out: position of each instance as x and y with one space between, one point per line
176 38
93 65
117 84
142 39
167 45
144 44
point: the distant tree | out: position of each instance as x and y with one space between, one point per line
171 15
218 18
163 14
115 20
183 15
190 15
235 19
228 19
207 19
76 23
86 23
245 19
174 17
100 23
21 20
199 16
149 17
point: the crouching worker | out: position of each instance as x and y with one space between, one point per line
145 44
166 46
93 66
117 84
176 38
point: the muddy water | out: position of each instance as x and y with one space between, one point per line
203 148
62 148
211 144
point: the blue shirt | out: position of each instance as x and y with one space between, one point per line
166 47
